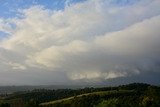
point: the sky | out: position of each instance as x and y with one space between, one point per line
77 42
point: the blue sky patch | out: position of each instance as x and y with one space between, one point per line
9 8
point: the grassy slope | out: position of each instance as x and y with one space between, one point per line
100 93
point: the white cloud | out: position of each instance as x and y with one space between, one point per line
16 66
95 39
141 38
85 75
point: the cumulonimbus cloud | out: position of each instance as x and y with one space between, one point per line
92 40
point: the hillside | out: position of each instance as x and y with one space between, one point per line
100 94
131 95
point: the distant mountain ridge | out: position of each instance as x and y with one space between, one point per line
12 89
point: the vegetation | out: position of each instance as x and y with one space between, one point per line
132 95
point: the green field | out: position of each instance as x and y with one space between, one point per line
101 94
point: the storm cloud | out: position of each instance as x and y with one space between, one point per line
91 41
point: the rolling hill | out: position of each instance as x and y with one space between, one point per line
131 95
